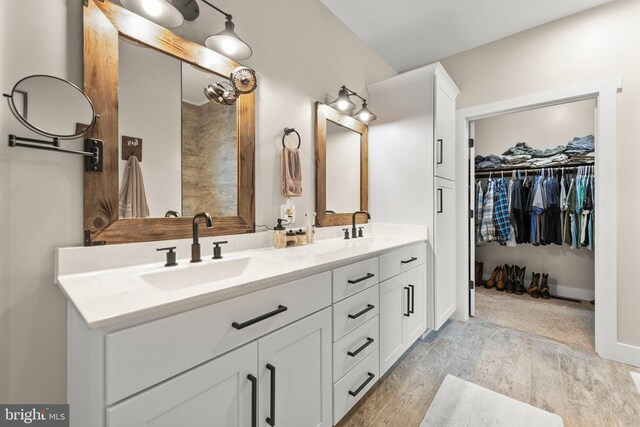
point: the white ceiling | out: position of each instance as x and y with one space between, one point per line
411 33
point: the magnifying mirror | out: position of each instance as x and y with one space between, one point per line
52 107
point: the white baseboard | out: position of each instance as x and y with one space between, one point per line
561 291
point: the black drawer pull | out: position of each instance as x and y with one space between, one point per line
254 399
408 313
408 260
364 384
354 281
440 154
280 309
413 298
271 419
369 308
365 345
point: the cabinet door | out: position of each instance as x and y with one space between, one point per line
218 393
417 320
393 309
445 131
444 251
294 366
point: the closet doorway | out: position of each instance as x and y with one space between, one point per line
532 184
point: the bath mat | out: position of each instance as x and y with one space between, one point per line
460 403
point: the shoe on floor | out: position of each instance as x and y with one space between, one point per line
493 280
534 288
544 287
509 283
479 273
502 276
519 282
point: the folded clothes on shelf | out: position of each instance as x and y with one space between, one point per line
541 162
580 145
522 148
516 159
489 162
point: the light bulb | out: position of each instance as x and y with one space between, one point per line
364 116
152 7
229 46
342 105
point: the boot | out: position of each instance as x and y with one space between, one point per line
479 273
534 288
494 278
544 287
509 285
502 276
520 289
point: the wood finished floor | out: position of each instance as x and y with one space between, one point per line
582 388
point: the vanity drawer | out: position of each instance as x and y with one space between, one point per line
358 382
351 349
354 311
404 259
353 278
143 355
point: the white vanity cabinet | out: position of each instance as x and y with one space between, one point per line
444 251
297 354
355 333
445 127
218 393
403 303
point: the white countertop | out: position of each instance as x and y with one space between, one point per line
105 298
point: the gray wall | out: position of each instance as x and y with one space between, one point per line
42 193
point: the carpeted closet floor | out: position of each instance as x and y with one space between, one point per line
568 322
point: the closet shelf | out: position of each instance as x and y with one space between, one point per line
568 167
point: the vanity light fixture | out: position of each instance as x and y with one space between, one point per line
227 42
172 13
343 103
167 13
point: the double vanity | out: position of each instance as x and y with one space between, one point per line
288 337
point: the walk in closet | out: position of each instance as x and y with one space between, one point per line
532 186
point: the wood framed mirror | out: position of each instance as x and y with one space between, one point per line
342 167
110 31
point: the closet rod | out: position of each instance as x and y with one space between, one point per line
572 167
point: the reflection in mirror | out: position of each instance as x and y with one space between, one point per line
343 169
37 102
209 153
189 147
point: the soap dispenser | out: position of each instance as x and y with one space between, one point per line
279 235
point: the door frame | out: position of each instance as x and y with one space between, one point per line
604 91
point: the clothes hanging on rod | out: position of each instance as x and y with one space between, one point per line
548 208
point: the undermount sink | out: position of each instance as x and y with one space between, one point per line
200 274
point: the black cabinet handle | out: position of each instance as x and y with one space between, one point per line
440 154
440 207
280 309
408 313
271 419
362 347
254 399
369 308
413 298
409 260
354 281
364 384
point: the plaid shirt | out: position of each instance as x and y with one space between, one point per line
479 202
501 212
487 229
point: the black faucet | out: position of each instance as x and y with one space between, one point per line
354 231
195 246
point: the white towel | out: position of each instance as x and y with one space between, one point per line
133 200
